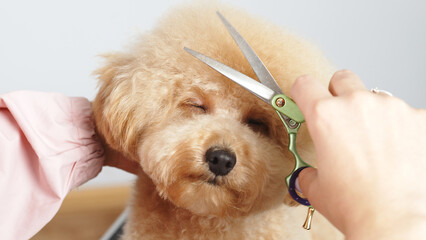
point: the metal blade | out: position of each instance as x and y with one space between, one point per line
248 83
259 68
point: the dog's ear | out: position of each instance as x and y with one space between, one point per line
113 106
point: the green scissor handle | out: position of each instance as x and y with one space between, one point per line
292 118
288 108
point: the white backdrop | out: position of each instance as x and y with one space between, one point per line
52 45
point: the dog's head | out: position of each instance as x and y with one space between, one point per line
208 145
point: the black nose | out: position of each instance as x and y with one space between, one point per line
221 161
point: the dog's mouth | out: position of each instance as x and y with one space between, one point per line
215 180
207 178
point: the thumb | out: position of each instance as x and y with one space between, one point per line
311 188
307 181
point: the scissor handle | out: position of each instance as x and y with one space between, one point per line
292 129
288 107
298 167
292 188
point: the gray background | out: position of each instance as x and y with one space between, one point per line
53 45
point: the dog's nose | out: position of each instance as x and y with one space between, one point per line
221 161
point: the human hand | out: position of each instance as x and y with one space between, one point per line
116 159
371 159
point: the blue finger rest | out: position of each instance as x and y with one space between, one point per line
292 188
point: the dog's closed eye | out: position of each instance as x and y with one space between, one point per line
199 107
258 125
194 105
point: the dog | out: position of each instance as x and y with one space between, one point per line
214 156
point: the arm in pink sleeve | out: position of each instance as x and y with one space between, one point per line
47 147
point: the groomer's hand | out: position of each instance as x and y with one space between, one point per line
370 180
116 159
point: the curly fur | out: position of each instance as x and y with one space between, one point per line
163 108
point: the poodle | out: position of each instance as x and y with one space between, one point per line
213 156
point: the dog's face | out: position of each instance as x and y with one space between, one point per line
217 149
208 145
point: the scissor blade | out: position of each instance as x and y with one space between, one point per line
259 68
248 83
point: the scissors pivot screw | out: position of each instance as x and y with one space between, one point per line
280 102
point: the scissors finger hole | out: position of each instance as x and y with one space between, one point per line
294 193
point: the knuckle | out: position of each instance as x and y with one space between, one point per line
343 74
320 108
361 101
359 95
299 83
302 80
396 104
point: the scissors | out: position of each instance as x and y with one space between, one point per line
269 91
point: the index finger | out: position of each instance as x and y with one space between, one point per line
306 91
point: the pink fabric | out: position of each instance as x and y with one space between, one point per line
47 148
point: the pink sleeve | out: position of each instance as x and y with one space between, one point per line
47 148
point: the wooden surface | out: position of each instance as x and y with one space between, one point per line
86 214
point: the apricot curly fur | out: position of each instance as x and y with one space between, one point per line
164 109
